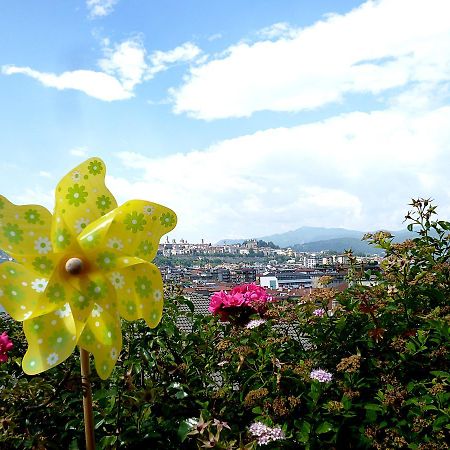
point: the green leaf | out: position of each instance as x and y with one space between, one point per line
107 440
373 407
440 373
183 430
180 395
304 430
257 410
324 427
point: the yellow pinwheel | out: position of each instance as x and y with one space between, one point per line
76 272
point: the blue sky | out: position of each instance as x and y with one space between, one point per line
245 117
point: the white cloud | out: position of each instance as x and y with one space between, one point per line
35 196
79 151
277 30
160 60
96 84
126 61
376 47
100 8
214 37
124 66
358 170
45 174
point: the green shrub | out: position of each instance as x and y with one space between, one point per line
385 346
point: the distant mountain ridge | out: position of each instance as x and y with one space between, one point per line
339 245
316 239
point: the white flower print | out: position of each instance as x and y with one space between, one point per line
149 210
76 175
96 312
117 280
113 353
64 311
39 284
42 245
52 359
81 224
157 295
115 243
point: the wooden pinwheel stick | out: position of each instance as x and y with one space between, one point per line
87 399
74 266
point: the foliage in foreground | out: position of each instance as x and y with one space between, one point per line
385 346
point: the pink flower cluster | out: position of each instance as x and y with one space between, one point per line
245 295
266 434
5 346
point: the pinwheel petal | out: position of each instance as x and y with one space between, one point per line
51 340
24 230
25 293
132 229
102 336
81 198
139 291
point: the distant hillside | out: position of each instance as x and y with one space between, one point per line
339 245
305 235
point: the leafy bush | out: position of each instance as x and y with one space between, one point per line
371 372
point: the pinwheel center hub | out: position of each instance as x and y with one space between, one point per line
74 266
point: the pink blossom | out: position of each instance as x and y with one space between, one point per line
5 346
245 295
217 300
251 293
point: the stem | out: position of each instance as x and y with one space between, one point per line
87 399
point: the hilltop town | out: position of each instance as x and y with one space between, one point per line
204 268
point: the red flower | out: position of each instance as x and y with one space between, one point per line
5 346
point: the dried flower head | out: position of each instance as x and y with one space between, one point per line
350 364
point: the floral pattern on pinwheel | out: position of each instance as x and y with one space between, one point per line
61 310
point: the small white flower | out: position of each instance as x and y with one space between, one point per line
42 245
39 284
157 295
117 280
96 311
115 243
255 323
192 422
52 359
64 311
113 353
149 210
81 224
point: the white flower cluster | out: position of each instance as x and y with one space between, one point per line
255 323
266 434
321 375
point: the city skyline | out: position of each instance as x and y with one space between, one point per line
245 120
